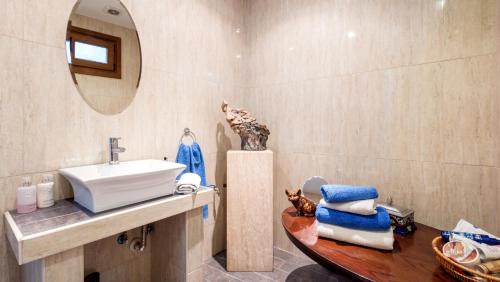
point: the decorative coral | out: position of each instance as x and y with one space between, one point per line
253 135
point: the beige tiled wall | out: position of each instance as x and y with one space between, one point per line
190 64
399 94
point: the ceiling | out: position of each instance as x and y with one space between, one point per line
97 9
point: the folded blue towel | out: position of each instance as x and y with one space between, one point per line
379 221
346 193
192 157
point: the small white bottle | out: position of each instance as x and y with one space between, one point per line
26 196
45 192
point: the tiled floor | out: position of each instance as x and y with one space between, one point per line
287 267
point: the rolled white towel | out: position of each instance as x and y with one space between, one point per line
188 183
363 207
374 239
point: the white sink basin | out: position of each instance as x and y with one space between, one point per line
102 187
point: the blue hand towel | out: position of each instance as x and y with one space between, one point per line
192 157
346 193
375 222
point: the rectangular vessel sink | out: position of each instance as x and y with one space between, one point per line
102 187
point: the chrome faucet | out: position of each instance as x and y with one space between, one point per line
114 150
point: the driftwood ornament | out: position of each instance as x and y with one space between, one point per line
253 135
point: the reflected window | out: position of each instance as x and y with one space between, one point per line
89 52
93 53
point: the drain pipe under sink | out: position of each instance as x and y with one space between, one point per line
139 244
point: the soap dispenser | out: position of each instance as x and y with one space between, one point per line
45 192
26 196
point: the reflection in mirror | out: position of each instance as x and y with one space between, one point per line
103 54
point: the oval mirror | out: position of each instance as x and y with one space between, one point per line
103 54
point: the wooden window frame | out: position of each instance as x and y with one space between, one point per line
112 43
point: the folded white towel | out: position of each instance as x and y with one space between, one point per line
364 207
188 183
374 239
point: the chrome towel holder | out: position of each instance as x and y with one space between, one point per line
187 133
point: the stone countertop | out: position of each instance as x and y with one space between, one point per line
64 212
67 224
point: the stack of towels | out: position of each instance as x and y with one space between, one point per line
349 213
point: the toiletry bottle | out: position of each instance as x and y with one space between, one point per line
45 192
26 196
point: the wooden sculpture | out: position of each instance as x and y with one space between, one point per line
253 135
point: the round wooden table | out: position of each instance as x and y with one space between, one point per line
411 260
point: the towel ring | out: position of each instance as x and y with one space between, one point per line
188 133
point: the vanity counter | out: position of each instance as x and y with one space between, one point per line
67 225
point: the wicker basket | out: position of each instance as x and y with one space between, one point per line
458 271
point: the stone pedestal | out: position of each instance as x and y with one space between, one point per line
250 210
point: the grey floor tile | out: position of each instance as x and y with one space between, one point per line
278 263
300 261
275 275
227 278
288 267
215 275
217 263
314 272
210 274
282 254
222 279
250 277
